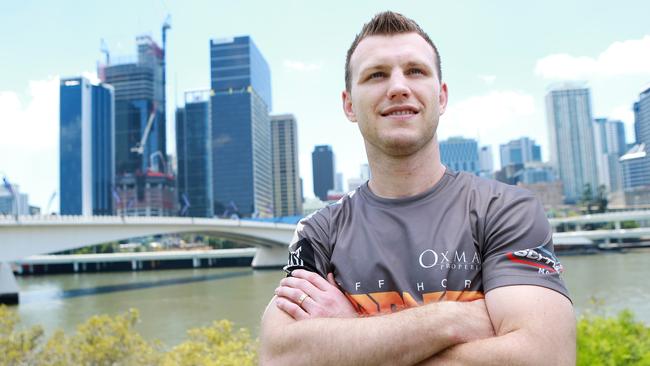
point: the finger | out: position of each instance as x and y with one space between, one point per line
313 278
303 285
330 279
295 311
290 293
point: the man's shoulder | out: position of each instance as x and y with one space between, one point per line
490 195
332 210
488 186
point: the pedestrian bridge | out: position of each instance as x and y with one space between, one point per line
25 236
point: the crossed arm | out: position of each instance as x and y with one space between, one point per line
528 321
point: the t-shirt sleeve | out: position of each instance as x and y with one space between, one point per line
519 245
309 249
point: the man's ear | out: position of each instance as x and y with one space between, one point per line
347 106
443 98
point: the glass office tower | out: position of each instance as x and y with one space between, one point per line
138 100
86 147
460 154
194 153
241 132
322 162
571 135
287 196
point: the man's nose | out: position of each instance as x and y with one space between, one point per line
398 86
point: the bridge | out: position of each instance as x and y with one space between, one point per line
25 236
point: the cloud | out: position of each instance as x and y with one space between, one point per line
29 133
488 79
630 57
301 66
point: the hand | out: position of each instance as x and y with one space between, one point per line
323 298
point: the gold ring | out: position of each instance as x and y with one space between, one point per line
302 298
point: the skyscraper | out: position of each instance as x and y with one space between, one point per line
86 148
322 162
139 109
642 117
520 151
486 163
636 162
194 154
12 201
287 194
241 132
460 154
609 140
570 126
144 182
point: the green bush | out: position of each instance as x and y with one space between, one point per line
106 340
619 340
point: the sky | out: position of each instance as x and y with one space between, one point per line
498 59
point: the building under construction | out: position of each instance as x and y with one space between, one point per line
144 183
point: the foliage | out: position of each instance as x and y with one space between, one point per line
215 345
594 203
616 340
107 340
17 347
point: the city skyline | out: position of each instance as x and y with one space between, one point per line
497 77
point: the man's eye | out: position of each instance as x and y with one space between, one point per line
416 71
376 75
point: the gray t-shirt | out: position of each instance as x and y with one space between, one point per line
457 241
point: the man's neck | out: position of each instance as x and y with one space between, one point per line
399 177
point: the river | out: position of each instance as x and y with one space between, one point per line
173 301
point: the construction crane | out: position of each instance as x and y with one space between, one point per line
139 147
104 49
167 25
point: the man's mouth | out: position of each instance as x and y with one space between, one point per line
399 111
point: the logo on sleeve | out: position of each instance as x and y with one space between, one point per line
302 257
538 257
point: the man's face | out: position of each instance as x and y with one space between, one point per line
395 94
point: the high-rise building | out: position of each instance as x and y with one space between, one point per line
460 154
194 155
570 126
241 132
145 185
287 194
520 151
87 147
642 117
485 161
609 140
322 162
139 109
12 201
636 162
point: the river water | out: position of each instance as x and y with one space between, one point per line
171 302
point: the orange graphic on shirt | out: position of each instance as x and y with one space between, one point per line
391 301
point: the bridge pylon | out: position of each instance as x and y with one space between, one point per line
8 285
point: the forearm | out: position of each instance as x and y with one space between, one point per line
516 348
403 338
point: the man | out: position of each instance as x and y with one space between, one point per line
422 265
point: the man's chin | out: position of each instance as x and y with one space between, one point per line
402 147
